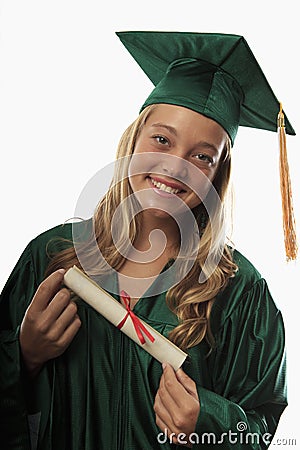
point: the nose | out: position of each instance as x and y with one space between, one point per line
174 166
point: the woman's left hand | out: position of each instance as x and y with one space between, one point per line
177 405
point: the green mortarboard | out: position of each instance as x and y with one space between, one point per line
214 74
218 76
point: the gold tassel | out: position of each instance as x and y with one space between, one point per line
289 225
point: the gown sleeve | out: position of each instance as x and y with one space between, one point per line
14 300
248 393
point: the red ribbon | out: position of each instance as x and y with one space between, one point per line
138 325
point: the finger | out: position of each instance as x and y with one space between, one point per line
69 333
187 383
46 290
164 428
167 395
172 435
162 412
171 384
57 305
66 318
46 320
175 416
163 418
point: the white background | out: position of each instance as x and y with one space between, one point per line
68 89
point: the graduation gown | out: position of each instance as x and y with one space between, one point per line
100 393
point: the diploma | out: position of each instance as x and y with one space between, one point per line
140 332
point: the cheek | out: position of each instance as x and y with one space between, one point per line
142 163
141 145
194 202
199 184
210 173
136 182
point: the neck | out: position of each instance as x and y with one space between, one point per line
157 232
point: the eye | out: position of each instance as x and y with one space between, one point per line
204 158
161 139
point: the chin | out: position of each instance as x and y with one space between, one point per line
157 213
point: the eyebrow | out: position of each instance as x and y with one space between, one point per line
168 127
207 145
173 130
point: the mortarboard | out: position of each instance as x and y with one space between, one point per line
218 76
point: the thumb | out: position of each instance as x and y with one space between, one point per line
187 382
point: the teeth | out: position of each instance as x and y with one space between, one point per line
165 188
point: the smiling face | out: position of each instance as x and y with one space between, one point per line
177 152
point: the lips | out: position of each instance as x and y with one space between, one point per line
170 187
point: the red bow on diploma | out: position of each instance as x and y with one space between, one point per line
138 325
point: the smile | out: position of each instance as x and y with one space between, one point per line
164 187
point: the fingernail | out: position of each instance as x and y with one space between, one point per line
61 271
164 365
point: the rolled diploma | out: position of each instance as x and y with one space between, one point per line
161 349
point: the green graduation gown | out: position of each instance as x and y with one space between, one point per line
99 394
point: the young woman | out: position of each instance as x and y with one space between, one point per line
71 380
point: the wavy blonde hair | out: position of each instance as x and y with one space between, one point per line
190 301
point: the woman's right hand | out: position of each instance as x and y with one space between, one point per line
49 325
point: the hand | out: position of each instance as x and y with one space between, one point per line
49 325
176 405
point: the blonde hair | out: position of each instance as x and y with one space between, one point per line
189 300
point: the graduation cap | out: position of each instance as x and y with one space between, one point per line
218 76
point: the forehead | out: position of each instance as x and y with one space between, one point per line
187 122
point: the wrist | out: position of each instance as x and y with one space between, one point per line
31 368
30 365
